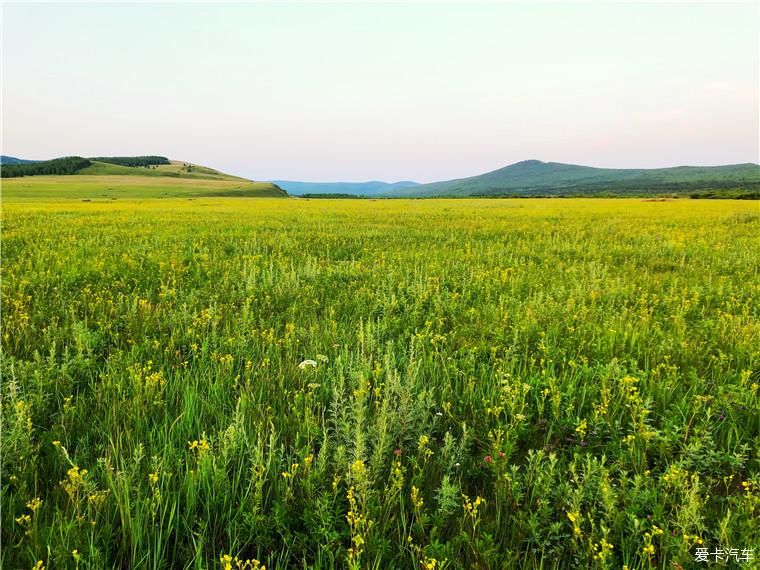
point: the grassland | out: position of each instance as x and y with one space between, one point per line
105 181
492 384
175 168
108 183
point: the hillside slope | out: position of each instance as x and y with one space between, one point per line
100 180
533 177
175 168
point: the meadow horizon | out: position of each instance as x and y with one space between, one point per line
543 357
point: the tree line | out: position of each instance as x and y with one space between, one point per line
66 165
133 160
73 164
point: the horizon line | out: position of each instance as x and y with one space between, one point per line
369 181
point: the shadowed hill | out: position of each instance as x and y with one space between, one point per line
536 178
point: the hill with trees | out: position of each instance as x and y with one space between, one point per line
58 166
537 178
113 178
133 160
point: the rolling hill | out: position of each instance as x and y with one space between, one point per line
373 188
537 178
99 180
13 160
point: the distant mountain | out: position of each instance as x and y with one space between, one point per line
537 178
13 160
372 188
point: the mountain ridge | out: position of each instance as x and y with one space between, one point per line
534 177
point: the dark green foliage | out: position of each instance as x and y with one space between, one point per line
73 164
727 194
133 160
548 179
67 165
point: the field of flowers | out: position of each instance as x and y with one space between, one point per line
231 383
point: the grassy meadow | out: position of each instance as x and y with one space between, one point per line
102 181
424 384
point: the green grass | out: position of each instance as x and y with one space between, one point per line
497 383
110 185
175 169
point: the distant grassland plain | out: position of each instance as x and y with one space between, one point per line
236 383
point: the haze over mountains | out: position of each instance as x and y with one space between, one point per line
372 188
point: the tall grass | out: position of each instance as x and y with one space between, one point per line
496 384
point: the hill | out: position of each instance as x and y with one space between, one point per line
65 165
172 168
97 180
537 178
372 188
13 160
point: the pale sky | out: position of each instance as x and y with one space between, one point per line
426 91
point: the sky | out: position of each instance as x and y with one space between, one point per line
349 91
